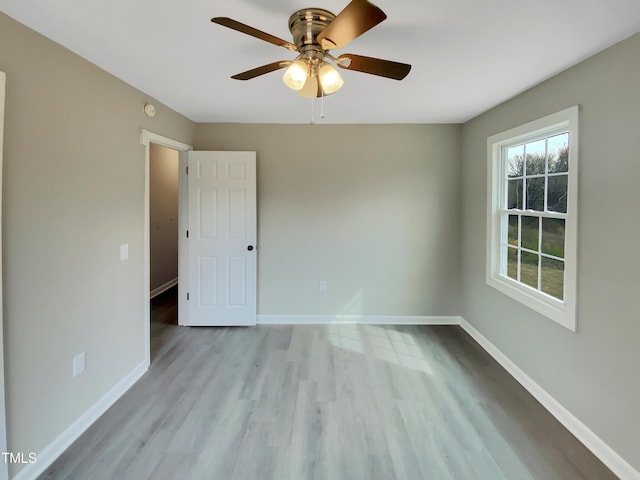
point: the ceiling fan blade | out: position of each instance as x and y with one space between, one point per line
256 72
374 66
254 32
356 18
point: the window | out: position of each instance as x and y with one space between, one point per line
532 214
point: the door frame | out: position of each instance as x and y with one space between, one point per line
146 138
4 466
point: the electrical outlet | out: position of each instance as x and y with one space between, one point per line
322 285
78 364
124 251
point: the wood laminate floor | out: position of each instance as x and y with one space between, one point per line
164 315
325 402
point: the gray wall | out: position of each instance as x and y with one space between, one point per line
73 192
595 373
371 209
163 214
383 213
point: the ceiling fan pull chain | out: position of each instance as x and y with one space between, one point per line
312 119
322 105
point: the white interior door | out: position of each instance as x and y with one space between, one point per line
222 238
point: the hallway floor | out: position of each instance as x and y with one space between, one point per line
164 318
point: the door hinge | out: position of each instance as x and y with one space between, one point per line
187 296
187 170
187 233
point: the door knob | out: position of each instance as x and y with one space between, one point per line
250 247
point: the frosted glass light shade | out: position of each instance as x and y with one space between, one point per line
296 75
311 88
330 79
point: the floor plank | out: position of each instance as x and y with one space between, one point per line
325 402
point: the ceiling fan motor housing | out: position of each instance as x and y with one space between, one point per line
305 26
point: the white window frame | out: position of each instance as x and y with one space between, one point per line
561 311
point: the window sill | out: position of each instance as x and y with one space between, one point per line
551 308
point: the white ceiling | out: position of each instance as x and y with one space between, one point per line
467 55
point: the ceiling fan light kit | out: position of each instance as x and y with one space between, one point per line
296 75
330 79
311 65
316 31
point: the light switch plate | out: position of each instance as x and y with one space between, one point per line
78 364
124 251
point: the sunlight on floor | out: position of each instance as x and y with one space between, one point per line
385 343
346 336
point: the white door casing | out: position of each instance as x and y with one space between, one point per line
222 238
146 138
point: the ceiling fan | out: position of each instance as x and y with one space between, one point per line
316 31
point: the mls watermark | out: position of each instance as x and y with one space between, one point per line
19 457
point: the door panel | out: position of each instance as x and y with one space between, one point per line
208 281
222 225
236 279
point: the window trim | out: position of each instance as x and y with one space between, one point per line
562 312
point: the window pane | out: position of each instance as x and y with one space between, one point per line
535 194
515 161
535 157
529 269
558 153
512 236
512 263
552 281
557 199
515 194
530 231
553 237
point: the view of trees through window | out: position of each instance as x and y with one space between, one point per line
534 212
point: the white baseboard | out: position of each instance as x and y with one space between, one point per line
362 319
595 444
163 288
52 451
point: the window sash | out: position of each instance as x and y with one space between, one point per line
504 212
504 253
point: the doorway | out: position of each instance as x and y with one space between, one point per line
151 141
163 239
